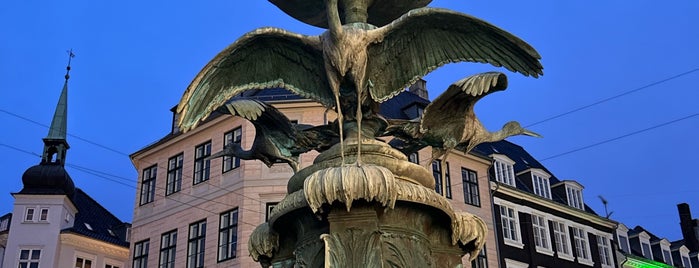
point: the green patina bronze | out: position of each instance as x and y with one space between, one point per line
361 204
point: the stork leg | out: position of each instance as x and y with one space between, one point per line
444 173
335 86
359 128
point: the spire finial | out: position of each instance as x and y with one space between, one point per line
55 144
70 57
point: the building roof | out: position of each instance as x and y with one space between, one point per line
393 108
523 161
47 179
95 221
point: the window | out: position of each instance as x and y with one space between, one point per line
645 247
481 261
174 174
685 262
667 256
437 173
29 214
575 198
605 251
541 185
541 233
508 216
5 224
168 243
230 137
83 263
504 172
29 258
110 266
228 235
581 246
195 248
148 185
201 164
624 243
470 182
44 215
270 207
414 158
140 254
560 235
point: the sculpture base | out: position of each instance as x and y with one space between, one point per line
373 215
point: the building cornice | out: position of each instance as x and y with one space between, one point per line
516 193
84 242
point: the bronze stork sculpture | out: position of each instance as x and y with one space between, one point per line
449 121
355 65
276 138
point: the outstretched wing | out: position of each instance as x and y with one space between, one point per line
270 123
456 103
427 38
263 58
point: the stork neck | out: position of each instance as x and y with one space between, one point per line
334 23
239 152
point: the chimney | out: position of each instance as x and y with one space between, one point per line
419 88
689 227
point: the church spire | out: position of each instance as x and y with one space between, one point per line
55 144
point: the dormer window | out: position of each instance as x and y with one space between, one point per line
667 256
644 239
504 170
665 252
574 195
622 233
414 111
540 183
684 257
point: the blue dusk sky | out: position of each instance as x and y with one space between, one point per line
638 60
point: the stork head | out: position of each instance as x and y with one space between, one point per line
513 128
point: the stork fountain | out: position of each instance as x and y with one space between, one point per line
361 204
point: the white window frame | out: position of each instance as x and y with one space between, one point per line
574 195
41 214
29 217
509 263
540 183
84 257
517 241
582 245
564 237
504 170
623 231
665 248
29 259
644 238
542 238
605 249
684 257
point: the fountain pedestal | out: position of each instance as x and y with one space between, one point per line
382 213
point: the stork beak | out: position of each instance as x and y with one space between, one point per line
216 155
531 133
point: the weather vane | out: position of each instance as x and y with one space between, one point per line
71 55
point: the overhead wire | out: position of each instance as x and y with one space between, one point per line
97 173
120 180
184 176
613 97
